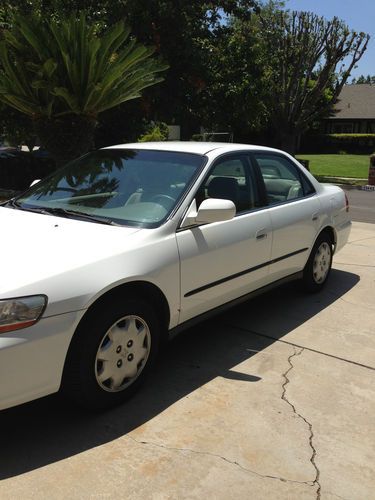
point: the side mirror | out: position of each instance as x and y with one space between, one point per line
210 210
35 182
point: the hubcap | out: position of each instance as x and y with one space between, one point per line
322 262
122 353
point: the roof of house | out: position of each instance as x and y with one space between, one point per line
355 102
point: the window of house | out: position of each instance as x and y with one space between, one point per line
342 128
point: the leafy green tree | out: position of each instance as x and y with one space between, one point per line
364 79
305 56
155 131
180 32
234 96
63 74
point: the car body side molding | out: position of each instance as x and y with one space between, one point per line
242 273
228 305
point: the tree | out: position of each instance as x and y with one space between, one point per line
370 80
176 29
235 93
63 74
180 31
304 54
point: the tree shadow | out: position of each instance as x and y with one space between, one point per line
48 430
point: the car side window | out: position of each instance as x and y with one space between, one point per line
231 179
282 179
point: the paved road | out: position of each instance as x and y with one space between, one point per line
362 205
274 399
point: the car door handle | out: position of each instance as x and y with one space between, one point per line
261 234
315 216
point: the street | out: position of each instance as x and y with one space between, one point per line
362 204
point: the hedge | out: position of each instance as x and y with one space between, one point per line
338 143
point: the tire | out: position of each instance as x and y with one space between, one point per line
318 267
111 354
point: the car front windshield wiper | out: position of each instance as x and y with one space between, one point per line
64 212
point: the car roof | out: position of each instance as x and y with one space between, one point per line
190 146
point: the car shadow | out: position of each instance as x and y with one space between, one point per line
48 430
285 308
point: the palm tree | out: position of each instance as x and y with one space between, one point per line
64 73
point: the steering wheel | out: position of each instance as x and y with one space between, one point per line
164 200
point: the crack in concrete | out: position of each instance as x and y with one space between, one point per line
284 398
340 297
361 239
353 265
216 455
336 495
293 344
363 306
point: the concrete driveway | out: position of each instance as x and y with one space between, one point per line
272 400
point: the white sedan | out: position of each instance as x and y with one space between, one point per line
114 253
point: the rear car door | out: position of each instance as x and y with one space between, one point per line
294 210
223 260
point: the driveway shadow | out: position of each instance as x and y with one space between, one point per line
48 430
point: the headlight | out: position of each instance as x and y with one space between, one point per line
21 312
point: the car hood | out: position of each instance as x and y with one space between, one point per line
35 247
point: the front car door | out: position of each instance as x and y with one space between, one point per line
222 261
294 209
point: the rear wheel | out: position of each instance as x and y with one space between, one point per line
319 265
111 354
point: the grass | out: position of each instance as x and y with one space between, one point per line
338 165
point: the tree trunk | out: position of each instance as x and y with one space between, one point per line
66 137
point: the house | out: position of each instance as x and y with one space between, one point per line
354 112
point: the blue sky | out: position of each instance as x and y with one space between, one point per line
359 15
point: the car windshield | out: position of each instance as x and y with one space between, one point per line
127 187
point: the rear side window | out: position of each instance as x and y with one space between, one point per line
283 180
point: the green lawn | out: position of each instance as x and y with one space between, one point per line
338 165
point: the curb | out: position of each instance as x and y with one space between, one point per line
350 187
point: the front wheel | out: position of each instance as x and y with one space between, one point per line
319 265
111 353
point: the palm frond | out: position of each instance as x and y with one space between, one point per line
54 68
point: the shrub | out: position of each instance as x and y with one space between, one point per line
339 143
156 131
197 137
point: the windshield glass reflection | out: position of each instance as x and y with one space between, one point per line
131 187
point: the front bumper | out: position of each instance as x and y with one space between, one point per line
32 359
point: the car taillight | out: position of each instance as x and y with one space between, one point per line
346 203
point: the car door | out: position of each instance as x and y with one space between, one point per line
294 209
223 260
